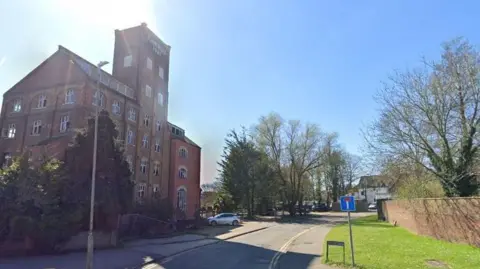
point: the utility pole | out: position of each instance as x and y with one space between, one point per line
98 94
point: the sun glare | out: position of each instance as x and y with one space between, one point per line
109 13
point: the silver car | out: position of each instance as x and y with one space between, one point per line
224 219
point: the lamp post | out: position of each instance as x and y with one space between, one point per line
94 168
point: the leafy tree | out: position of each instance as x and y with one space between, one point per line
245 174
114 188
33 204
431 115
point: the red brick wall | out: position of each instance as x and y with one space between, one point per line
451 219
192 182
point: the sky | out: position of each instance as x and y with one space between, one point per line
234 61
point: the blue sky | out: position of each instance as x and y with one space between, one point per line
233 61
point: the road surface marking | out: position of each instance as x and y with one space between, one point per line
152 266
284 248
173 256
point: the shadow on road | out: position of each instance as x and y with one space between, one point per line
212 232
234 255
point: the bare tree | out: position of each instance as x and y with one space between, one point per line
351 168
294 150
430 116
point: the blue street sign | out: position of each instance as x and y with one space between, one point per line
347 203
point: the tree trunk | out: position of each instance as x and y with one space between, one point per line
252 201
291 209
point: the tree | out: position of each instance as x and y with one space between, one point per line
351 168
33 204
114 188
293 149
245 175
332 162
430 116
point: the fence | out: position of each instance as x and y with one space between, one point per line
451 219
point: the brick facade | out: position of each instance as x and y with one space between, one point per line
185 156
138 86
451 219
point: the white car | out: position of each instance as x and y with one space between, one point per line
224 219
372 207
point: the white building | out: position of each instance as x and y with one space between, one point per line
372 188
372 194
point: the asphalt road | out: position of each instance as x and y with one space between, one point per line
284 246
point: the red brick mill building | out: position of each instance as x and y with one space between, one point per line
40 112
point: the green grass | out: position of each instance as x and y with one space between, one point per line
379 245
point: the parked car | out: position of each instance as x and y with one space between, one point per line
305 209
269 212
372 207
321 207
224 219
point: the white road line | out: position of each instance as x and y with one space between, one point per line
151 266
284 248
170 258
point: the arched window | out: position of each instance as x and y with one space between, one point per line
98 99
182 173
182 152
182 199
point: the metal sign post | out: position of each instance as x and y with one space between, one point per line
347 203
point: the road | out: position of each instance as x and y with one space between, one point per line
283 246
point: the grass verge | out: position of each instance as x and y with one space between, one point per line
379 245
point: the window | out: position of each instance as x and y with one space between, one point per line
149 63
182 199
160 98
141 190
64 123
160 72
17 105
145 141
11 131
146 120
159 125
182 173
176 131
130 162
116 107
7 159
157 145
42 101
70 96
156 168
182 152
37 127
156 188
143 166
127 61
148 91
98 99
132 114
130 137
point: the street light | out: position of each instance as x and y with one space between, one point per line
94 168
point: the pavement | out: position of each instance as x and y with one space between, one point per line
296 243
135 254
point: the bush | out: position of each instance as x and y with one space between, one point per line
157 208
411 188
21 227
